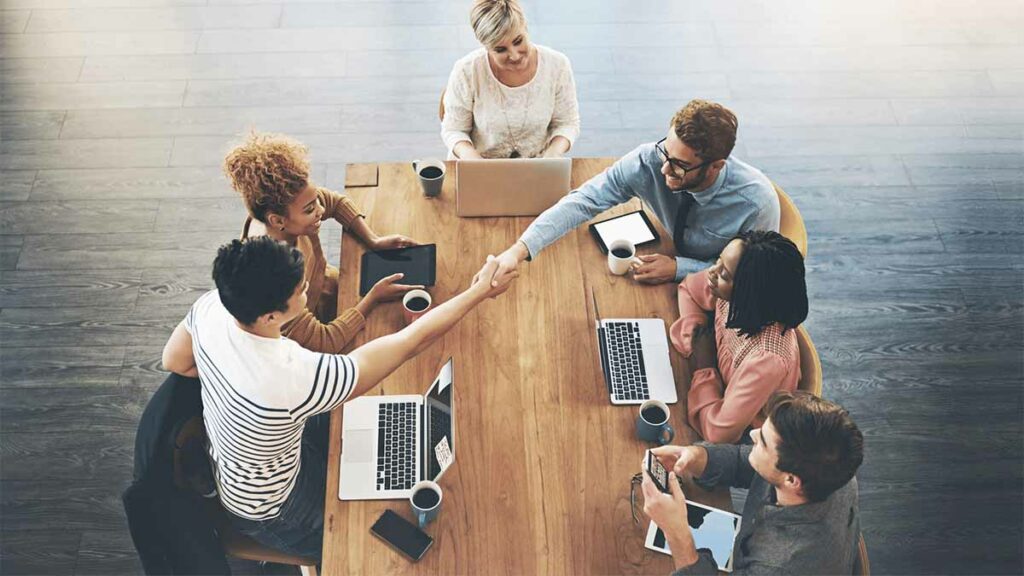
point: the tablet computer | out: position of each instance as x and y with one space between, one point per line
712 529
418 263
634 226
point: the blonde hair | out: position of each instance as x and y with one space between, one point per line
269 171
495 20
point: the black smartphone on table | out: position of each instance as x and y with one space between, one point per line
658 473
402 535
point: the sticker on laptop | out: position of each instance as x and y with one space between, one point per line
443 452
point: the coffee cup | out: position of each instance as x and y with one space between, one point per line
431 175
621 256
425 501
652 423
415 303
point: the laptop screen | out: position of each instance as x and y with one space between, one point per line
439 408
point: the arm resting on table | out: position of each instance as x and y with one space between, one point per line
722 416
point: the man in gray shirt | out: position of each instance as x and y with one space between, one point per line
801 514
702 195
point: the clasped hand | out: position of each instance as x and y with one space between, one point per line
482 280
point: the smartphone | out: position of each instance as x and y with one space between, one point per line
658 473
402 535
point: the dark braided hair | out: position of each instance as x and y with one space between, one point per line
768 285
257 276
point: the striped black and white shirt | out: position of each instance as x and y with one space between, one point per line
257 395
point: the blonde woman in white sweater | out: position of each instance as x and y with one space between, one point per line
511 98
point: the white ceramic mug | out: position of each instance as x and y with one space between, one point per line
619 265
410 314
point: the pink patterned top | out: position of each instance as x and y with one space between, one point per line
722 402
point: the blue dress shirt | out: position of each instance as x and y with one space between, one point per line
741 199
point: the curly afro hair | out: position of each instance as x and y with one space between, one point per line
268 170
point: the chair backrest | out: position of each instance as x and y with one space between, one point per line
234 542
861 566
810 363
440 107
791 223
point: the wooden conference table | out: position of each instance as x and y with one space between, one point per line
541 479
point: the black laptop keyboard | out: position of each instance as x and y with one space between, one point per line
440 425
626 361
396 446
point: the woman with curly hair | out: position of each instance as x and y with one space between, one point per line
271 172
758 295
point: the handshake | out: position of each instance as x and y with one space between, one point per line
490 281
647 269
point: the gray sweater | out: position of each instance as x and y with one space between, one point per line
814 538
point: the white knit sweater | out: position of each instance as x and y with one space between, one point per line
498 119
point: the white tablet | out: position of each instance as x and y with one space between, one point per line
635 227
713 529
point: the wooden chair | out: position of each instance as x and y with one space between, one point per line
861 566
810 363
791 224
440 108
234 542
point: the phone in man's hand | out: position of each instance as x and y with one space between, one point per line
657 472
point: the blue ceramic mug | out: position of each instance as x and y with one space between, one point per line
652 423
425 501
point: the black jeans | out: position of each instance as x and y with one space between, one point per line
299 528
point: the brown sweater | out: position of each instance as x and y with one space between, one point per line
306 329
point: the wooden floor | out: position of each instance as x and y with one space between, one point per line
897 127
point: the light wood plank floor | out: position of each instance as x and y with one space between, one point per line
897 127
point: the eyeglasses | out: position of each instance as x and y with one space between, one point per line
637 479
679 169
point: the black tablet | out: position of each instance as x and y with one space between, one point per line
418 263
634 226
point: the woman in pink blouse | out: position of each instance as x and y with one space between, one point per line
757 293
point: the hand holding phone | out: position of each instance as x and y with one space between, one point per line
402 535
657 472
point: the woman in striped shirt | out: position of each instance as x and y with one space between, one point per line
267 400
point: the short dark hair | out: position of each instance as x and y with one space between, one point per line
818 442
768 284
707 127
257 276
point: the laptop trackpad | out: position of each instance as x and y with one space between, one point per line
359 445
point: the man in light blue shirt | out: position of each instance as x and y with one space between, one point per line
702 196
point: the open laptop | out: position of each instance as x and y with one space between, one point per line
389 443
510 187
634 359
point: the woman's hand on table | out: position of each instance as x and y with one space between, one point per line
386 289
704 354
391 241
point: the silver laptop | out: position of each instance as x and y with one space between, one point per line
510 187
634 359
389 443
